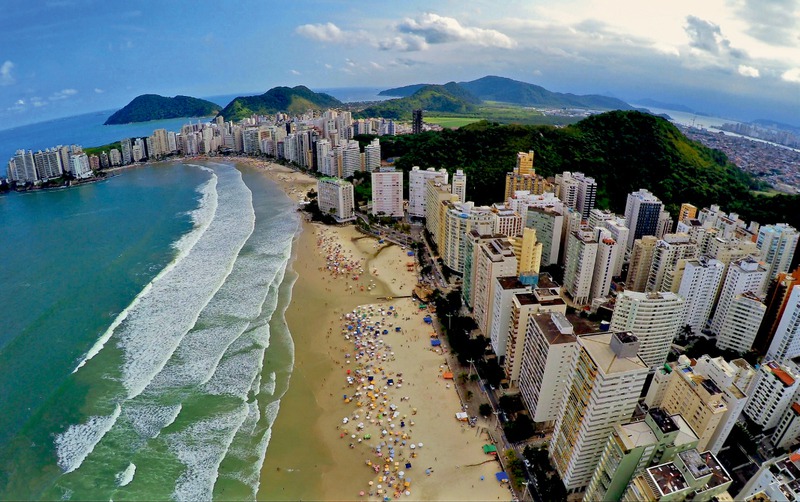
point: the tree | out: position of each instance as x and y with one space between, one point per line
485 409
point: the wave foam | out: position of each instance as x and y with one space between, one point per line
78 441
126 476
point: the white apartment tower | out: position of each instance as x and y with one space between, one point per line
654 318
739 327
743 275
786 341
387 193
547 361
372 156
667 253
417 188
351 162
698 288
505 289
609 374
493 258
773 391
777 244
580 265
335 197
548 223
604 263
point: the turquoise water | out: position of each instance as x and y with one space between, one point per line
144 352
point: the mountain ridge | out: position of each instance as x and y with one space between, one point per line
148 107
295 100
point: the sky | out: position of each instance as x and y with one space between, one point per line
732 58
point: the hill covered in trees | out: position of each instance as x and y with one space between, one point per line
448 98
622 150
154 107
294 100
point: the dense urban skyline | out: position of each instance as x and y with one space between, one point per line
732 58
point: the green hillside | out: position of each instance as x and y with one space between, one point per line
154 107
622 150
448 98
294 100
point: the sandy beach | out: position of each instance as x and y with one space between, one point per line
343 428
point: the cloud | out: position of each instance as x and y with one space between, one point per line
327 32
707 36
375 65
328 66
38 102
792 75
6 78
775 22
748 71
436 29
62 94
294 72
404 43
97 90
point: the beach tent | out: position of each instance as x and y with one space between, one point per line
462 416
447 375
435 342
502 477
427 319
410 253
490 449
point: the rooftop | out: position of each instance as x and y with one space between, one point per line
668 478
785 378
663 420
510 282
694 463
598 346
555 331
637 434
687 434
719 475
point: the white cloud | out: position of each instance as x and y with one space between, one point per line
404 42
38 102
6 78
328 66
436 29
375 65
294 72
20 102
97 90
792 75
62 94
748 71
327 32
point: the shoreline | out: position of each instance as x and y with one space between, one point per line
312 454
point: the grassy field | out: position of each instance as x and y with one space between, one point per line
451 122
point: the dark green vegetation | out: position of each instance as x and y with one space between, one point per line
506 90
97 150
294 100
448 98
622 150
154 107
547 481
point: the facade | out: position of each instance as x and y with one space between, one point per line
578 191
655 319
579 267
698 288
744 275
776 479
548 222
740 325
529 254
459 220
387 193
642 212
619 232
335 197
640 263
372 156
772 393
493 258
634 446
788 430
786 341
777 244
524 177
698 399
505 288
459 185
776 299
437 199
548 356
417 188
607 373
522 307
608 252
506 221
666 255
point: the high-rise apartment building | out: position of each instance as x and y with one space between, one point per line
654 318
372 156
578 191
493 258
608 252
506 221
698 399
387 193
741 321
776 299
580 265
335 197
640 263
687 212
546 367
548 222
459 220
505 289
786 341
416 121
417 188
528 251
777 244
692 475
666 255
698 288
524 177
609 374
771 394
642 214
743 275
459 185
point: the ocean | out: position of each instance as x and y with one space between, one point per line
144 351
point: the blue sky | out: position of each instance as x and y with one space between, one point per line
737 58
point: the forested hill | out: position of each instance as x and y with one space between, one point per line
450 98
622 150
154 107
294 100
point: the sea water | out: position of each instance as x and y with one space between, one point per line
144 351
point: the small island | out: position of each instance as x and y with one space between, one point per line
154 107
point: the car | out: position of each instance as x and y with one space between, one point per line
526 462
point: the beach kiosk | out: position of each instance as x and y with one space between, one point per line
490 449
